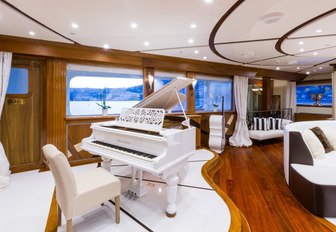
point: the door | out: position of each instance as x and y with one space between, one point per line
20 123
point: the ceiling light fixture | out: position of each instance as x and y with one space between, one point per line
307 73
277 68
74 25
301 50
193 26
190 41
31 33
106 46
204 58
315 53
297 67
196 51
318 31
208 1
146 43
301 43
320 68
134 25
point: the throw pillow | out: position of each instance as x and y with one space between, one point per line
260 124
323 139
331 135
314 145
275 123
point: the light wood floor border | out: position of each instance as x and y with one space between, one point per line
238 220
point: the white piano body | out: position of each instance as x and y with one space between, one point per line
138 139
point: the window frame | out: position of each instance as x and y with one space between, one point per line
30 83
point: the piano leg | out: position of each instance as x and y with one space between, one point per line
107 164
171 187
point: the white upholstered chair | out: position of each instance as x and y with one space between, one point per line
77 194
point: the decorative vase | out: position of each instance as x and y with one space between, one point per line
104 112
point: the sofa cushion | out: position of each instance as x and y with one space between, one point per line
323 139
262 135
314 145
331 135
329 161
260 124
275 123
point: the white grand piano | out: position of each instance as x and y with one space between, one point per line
138 139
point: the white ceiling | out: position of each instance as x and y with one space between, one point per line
248 36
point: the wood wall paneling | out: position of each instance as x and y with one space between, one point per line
77 52
190 94
267 85
56 103
146 90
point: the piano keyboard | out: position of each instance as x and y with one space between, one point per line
128 151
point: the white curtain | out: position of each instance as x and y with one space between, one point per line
5 66
290 97
240 135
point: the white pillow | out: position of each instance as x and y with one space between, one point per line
330 133
314 145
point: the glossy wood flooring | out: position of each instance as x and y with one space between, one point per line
253 178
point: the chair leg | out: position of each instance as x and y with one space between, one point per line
69 225
59 215
117 208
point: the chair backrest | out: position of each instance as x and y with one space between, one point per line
63 176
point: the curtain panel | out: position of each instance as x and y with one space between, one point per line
5 67
240 135
290 97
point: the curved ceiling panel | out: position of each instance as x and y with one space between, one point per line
308 45
248 52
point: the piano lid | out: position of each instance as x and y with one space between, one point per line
166 98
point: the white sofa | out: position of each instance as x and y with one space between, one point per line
311 180
268 134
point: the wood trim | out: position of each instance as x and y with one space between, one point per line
238 220
314 82
55 104
79 53
190 94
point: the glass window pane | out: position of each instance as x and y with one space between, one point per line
91 87
209 93
18 81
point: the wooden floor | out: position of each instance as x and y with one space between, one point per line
253 178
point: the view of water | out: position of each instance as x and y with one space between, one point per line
91 107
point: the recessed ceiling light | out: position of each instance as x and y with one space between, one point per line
277 68
315 53
301 50
74 25
106 46
204 58
307 73
318 31
134 25
297 67
193 25
301 43
207 1
196 51
320 68
31 33
190 41
146 43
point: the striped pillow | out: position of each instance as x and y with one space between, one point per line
260 124
275 123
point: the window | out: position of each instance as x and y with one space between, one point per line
314 95
163 78
209 92
18 81
87 86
